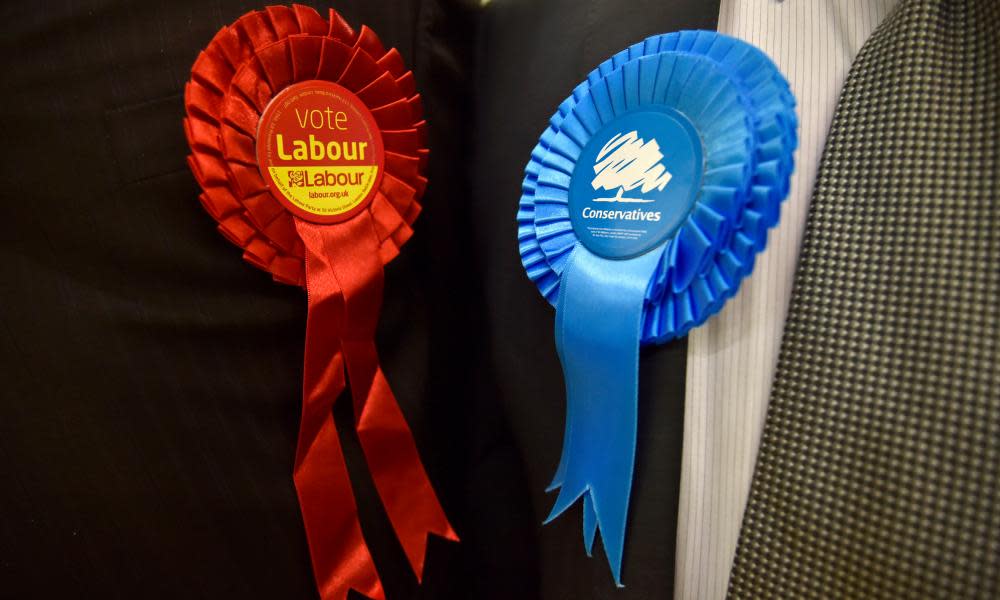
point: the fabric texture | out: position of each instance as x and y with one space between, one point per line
531 55
879 468
732 357
152 380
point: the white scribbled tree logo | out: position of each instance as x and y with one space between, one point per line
628 162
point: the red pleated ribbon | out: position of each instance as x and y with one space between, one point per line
341 266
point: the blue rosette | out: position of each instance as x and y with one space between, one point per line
643 206
745 114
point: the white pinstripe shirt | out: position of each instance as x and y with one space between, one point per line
731 359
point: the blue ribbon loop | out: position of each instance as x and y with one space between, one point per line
598 327
741 112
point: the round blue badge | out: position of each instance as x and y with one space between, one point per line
635 182
643 207
723 119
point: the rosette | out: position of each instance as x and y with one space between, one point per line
308 141
643 206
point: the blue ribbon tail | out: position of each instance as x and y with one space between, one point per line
560 475
589 524
598 329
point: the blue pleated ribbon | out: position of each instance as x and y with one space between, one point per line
598 328
743 113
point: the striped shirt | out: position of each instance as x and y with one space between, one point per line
731 359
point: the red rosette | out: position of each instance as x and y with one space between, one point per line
234 79
285 54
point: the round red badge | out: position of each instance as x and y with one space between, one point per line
320 151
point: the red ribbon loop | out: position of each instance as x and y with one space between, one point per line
344 279
340 557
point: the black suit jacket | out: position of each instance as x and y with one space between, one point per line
151 379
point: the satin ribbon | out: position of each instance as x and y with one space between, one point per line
344 279
598 328
743 113
240 71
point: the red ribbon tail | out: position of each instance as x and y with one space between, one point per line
388 444
402 482
340 557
